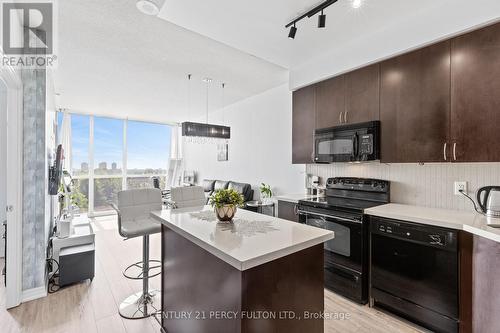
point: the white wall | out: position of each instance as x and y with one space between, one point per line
447 18
260 149
3 160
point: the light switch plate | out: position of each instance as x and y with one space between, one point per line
460 186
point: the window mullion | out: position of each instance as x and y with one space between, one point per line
124 161
91 166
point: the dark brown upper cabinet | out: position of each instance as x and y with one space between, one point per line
415 106
475 96
330 102
303 125
437 104
362 95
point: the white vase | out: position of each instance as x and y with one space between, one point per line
226 212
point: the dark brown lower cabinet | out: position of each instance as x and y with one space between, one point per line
288 211
485 286
479 292
465 243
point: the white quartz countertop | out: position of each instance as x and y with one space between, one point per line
469 221
252 240
295 197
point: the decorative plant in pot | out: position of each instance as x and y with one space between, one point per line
225 203
265 192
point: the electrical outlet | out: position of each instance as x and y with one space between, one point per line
460 186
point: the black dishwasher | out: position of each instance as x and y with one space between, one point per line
414 272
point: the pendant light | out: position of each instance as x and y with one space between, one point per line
203 132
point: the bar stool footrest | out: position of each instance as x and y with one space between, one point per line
135 271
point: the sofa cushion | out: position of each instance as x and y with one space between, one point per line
242 188
221 185
208 185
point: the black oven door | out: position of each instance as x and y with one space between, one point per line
346 249
344 258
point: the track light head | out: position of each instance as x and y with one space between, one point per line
321 20
293 31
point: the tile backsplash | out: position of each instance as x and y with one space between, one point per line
429 185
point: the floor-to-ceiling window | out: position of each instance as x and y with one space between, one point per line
108 161
109 155
80 159
148 152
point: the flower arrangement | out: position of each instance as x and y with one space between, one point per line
225 203
226 197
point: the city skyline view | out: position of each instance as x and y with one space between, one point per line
148 144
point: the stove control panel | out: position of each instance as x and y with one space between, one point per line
359 184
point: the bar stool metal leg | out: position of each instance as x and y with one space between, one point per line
146 302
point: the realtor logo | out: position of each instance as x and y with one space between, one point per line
35 20
29 32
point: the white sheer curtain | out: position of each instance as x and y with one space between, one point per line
175 166
65 140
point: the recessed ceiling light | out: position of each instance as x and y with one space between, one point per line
356 3
148 7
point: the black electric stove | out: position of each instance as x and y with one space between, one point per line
341 211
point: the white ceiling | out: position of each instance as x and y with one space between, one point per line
115 61
258 26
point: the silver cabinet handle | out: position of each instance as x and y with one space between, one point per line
340 117
296 209
444 150
454 151
345 117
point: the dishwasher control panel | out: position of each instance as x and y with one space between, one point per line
420 233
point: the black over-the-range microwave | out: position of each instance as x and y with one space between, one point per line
348 143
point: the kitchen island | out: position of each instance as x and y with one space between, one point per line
259 274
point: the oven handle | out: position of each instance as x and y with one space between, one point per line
303 212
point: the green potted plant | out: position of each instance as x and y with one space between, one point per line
265 192
225 203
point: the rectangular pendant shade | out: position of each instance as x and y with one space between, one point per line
206 130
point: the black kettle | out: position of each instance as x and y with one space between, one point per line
489 200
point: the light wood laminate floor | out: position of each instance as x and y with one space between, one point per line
93 307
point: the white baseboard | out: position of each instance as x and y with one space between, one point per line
33 293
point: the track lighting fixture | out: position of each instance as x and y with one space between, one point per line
321 18
293 31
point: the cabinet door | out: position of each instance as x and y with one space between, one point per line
288 211
363 94
330 102
415 105
303 125
475 95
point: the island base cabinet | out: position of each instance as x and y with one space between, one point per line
203 294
